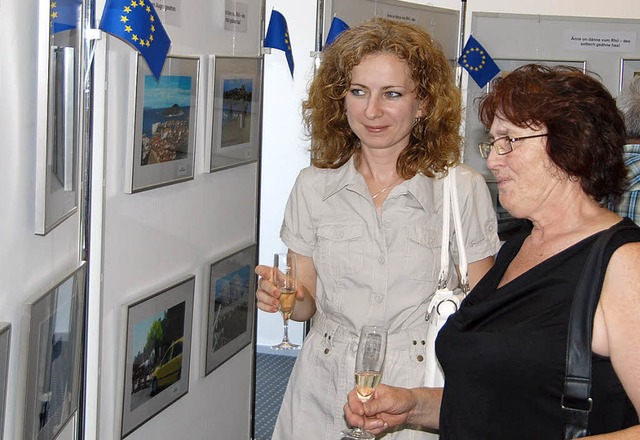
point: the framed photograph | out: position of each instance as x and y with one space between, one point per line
628 69
55 358
231 306
157 352
5 342
57 115
165 124
236 84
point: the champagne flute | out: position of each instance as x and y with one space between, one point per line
285 277
368 371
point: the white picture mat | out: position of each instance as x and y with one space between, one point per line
56 194
244 260
628 69
55 356
143 177
176 293
226 70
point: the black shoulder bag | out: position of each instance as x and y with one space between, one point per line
576 399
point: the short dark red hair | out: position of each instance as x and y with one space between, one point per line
586 129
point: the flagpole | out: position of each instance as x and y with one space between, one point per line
462 21
319 24
319 28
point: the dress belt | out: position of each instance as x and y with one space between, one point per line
338 333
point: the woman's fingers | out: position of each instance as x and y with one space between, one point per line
265 294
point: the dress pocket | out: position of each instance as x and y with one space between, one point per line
340 248
422 252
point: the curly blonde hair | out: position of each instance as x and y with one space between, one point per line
435 140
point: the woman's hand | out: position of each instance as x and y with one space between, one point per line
267 293
393 406
388 407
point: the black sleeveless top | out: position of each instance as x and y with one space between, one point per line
503 353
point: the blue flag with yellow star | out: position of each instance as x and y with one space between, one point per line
278 36
64 15
136 23
337 27
478 62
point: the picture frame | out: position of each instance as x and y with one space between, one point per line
5 345
628 69
442 23
164 130
230 306
57 115
55 358
157 352
235 85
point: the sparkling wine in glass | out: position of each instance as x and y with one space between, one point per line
285 277
369 361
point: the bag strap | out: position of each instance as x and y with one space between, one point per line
449 199
576 399
444 248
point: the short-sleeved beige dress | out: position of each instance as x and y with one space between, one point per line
377 268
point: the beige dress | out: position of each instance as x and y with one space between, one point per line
373 268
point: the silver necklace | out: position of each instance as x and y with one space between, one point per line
385 188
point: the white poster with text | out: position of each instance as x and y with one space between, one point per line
600 41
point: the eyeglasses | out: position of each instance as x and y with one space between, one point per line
503 145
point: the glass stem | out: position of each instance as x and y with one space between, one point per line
285 337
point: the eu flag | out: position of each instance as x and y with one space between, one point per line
65 15
337 26
278 36
136 22
478 62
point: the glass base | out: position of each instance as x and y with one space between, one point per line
285 345
357 433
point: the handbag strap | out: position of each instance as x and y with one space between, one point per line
576 399
449 202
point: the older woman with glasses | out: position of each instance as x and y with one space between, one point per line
557 155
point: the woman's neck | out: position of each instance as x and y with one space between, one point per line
381 168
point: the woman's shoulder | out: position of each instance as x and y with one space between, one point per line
468 181
470 176
315 182
314 175
623 246
627 244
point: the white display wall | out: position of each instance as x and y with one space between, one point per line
153 237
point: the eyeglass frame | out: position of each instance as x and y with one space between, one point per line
486 147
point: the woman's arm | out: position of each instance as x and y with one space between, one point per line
478 269
267 293
616 331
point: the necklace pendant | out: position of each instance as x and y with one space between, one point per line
383 190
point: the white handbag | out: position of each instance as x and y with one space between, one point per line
445 301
